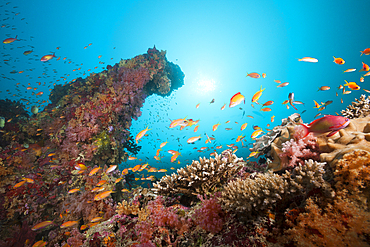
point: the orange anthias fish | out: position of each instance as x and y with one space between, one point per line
93 171
254 75
163 144
283 84
256 133
257 95
214 127
308 59
223 107
141 134
236 100
47 57
177 122
193 139
329 123
243 126
338 60
324 88
365 67
10 40
270 102
69 224
366 51
102 195
352 85
110 169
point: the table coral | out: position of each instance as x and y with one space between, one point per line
201 177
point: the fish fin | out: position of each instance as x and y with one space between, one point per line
332 133
305 130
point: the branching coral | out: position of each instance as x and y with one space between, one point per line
201 177
359 108
254 196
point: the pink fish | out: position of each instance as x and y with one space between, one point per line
329 123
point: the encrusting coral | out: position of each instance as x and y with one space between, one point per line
254 196
201 177
359 108
356 136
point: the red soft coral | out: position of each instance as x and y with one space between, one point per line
210 215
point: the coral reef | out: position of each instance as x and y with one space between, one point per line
262 144
352 173
254 196
201 177
47 158
342 223
356 136
360 108
59 168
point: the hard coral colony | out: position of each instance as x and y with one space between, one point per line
60 184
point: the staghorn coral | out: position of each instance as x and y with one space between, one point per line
254 196
201 177
359 108
356 136
342 223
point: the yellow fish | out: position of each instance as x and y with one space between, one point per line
257 95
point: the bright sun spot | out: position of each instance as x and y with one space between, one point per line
204 85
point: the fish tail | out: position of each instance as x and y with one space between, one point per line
361 53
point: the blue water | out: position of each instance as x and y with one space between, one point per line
214 42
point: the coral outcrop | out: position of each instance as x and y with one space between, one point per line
262 144
356 136
201 177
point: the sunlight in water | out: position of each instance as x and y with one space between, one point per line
204 85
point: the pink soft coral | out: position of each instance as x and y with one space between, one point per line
210 215
295 152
